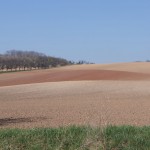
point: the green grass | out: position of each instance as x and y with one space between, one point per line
76 138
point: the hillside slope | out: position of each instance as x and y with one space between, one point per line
124 71
139 67
75 102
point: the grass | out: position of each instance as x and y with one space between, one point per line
13 71
76 138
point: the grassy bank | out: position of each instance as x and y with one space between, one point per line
13 71
80 138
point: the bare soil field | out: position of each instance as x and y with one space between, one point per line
85 96
140 67
125 71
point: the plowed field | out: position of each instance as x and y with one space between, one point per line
87 94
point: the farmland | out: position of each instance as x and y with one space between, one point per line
95 95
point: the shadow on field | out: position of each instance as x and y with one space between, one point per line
8 121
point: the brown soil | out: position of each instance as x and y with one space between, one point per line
110 97
55 75
139 67
75 102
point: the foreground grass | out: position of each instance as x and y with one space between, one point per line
76 138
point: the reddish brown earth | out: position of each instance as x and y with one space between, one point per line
68 75
30 99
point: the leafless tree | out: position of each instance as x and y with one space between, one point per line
28 60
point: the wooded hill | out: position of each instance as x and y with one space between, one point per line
28 60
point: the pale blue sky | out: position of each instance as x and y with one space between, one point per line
101 31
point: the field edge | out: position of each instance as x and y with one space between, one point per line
77 137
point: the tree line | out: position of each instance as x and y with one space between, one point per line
28 60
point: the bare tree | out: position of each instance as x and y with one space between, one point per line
28 60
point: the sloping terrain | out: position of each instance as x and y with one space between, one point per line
129 71
75 102
139 67
112 96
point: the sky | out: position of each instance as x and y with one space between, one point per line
99 31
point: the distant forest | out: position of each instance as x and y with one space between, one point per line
28 60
